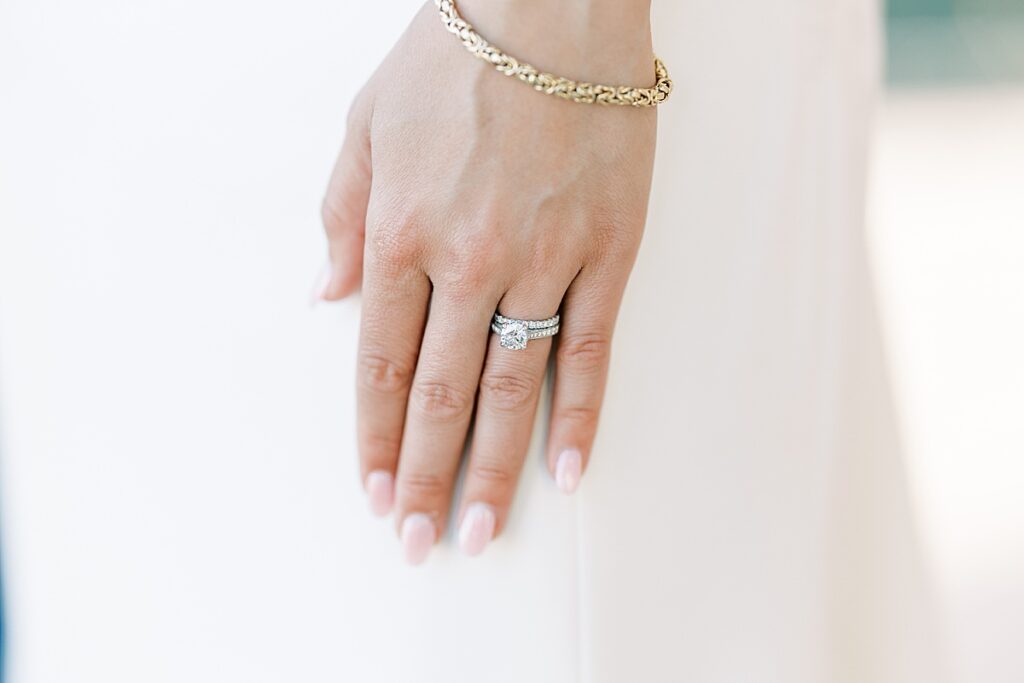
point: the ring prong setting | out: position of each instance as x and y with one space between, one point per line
514 335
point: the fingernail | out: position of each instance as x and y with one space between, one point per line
380 490
418 536
320 285
477 528
567 470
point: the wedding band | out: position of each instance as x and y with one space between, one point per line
515 333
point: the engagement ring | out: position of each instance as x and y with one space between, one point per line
515 333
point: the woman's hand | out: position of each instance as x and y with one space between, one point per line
460 192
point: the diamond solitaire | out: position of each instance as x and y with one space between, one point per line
514 334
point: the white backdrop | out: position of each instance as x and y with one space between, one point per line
176 425
947 225
179 495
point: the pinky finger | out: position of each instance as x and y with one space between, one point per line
581 369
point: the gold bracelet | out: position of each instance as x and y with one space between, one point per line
585 93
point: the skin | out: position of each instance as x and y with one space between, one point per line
459 192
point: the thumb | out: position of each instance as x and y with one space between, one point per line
344 208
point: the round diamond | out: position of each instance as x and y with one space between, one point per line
513 335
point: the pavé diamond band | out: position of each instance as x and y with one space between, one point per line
515 333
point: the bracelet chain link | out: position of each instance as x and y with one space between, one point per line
576 91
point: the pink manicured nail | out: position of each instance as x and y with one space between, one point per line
568 469
418 536
380 490
477 528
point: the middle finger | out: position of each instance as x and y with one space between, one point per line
438 415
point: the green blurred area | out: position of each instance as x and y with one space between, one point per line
954 42
943 8
920 8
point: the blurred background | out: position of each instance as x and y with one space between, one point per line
947 230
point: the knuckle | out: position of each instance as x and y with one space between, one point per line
465 280
615 222
422 485
587 352
492 471
507 392
383 375
470 265
550 254
378 446
440 401
582 416
394 250
475 244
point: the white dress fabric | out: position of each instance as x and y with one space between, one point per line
180 499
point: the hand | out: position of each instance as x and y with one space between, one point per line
459 192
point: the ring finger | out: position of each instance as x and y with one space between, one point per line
506 408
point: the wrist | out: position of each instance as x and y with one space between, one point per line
589 40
